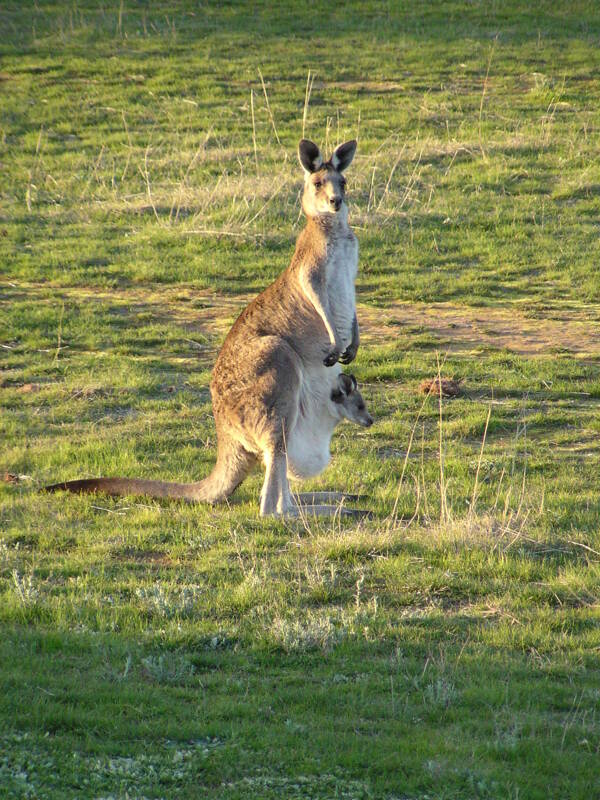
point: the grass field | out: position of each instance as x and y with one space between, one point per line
449 647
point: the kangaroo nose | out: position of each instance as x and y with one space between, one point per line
368 421
336 202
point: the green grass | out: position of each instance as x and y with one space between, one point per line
446 648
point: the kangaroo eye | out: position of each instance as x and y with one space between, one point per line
318 184
361 406
343 183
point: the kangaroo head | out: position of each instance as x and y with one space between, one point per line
349 402
324 184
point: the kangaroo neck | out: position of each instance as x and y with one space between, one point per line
330 225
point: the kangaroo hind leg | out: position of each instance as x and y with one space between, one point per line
233 464
276 497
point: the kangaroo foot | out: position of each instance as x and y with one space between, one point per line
313 498
327 511
334 511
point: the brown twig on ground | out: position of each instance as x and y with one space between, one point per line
10 477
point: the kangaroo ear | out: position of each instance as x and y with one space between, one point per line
354 383
347 383
343 155
309 155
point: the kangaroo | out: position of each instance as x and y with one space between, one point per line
274 371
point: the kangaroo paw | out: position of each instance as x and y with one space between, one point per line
348 355
331 358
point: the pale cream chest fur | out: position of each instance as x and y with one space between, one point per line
340 270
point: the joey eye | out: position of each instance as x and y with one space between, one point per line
317 184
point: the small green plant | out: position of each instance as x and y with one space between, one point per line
313 632
172 669
169 603
440 692
25 588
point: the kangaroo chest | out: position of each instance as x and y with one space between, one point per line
340 271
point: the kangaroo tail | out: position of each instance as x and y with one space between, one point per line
120 487
229 471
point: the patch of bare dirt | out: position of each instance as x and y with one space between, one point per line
208 315
373 87
27 388
462 328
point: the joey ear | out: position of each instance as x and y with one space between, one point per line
309 155
347 383
337 395
343 155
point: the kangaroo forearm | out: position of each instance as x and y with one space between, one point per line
350 352
320 303
355 334
327 321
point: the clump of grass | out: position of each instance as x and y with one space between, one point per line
440 693
169 604
6 552
172 669
314 632
25 588
508 733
